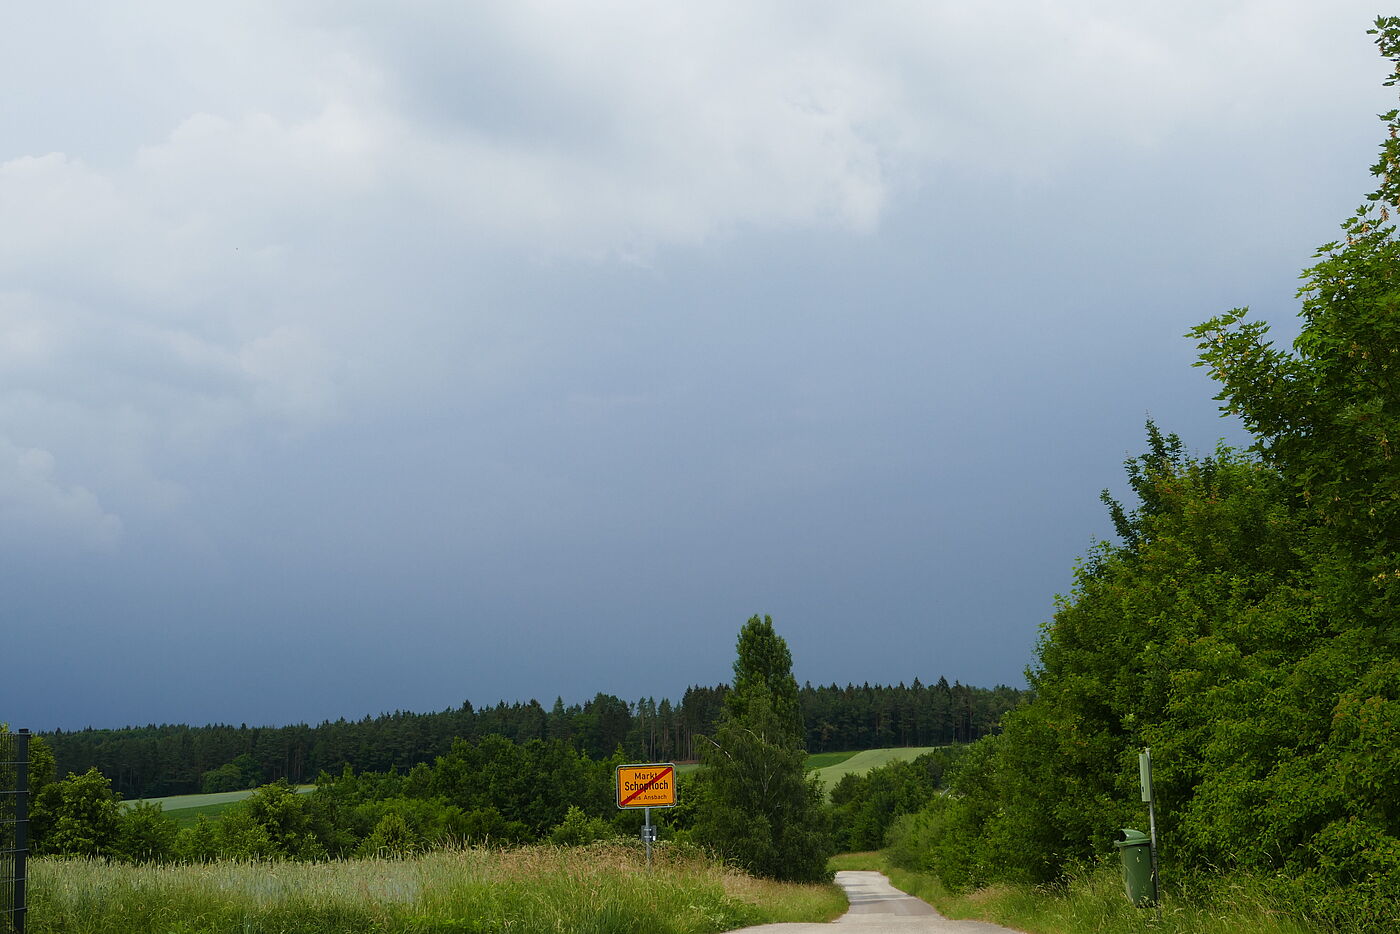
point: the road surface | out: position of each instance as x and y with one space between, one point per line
879 908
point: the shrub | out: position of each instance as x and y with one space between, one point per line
145 834
578 828
78 816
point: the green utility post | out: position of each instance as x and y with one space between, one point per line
1145 779
1138 850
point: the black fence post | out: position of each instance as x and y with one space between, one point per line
14 829
21 827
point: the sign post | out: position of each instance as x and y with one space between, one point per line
647 786
1145 779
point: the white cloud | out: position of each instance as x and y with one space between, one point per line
290 374
35 504
225 273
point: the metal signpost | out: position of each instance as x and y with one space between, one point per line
1145 778
647 786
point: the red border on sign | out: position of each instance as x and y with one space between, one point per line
665 769
654 779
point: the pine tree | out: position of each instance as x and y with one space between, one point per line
759 807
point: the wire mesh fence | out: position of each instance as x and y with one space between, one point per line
14 828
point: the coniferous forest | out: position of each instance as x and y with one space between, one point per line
154 761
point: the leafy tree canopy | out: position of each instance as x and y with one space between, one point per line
1245 628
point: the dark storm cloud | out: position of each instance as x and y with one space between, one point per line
354 360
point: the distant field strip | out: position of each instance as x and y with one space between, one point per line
185 809
821 760
181 802
830 766
818 760
862 762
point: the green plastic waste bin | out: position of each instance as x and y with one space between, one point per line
1135 850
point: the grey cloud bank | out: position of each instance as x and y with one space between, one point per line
354 360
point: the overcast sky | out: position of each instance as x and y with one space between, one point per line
358 357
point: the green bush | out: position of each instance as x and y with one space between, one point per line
390 837
78 816
145 834
198 843
863 806
578 828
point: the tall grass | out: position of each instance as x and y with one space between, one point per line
599 889
1093 902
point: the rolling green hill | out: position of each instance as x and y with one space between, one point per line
861 762
820 760
185 809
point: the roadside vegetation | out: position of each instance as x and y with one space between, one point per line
1090 901
601 888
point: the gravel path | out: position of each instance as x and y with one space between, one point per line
879 908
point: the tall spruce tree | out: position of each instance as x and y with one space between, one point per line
759 808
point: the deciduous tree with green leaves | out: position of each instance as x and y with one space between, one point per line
1247 628
1326 415
78 816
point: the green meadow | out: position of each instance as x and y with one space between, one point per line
597 889
859 763
821 760
829 765
184 810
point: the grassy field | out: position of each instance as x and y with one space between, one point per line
822 760
182 802
186 809
861 762
599 889
1094 903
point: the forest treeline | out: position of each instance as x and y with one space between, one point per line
752 802
489 791
154 761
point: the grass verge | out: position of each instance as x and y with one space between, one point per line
1093 902
598 889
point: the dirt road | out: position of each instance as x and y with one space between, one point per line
879 908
